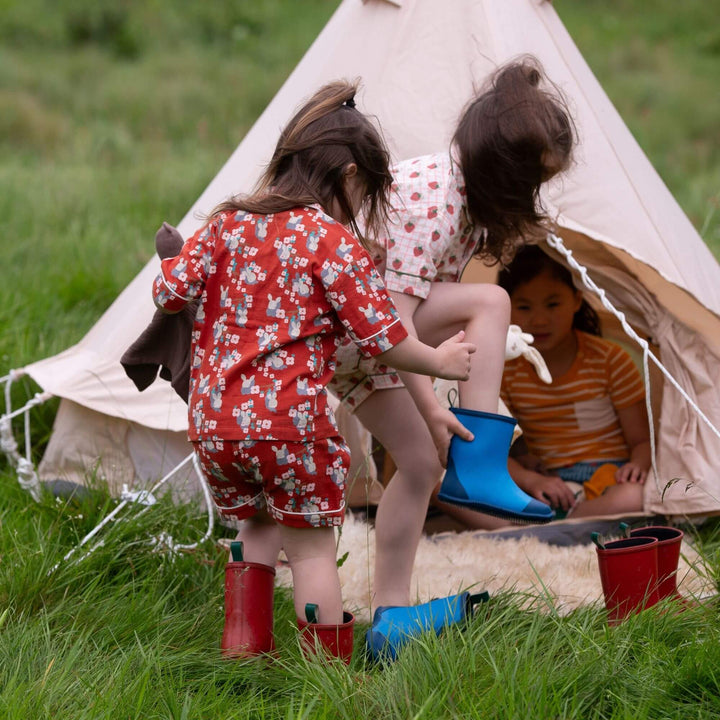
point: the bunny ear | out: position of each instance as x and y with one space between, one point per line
537 360
168 241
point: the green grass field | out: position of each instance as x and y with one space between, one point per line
114 117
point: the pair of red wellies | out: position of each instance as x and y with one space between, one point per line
639 570
248 631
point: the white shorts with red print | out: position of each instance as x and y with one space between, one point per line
357 377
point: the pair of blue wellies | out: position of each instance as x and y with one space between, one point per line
476 478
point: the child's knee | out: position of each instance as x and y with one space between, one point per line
422 468
490 299
627 497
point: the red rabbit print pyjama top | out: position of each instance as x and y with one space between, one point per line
277 293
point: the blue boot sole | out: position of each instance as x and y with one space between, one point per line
524 518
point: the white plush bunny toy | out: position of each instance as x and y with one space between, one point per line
518 343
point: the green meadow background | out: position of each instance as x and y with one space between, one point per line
114 116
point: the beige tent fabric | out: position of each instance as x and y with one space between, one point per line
420 62
118 452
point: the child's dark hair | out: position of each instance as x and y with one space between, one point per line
529 262
510 139
325 135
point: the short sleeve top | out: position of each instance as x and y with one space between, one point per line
276 294
430 237
575 418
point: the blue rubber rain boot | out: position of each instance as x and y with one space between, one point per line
477 476
395 626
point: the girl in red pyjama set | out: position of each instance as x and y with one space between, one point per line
286 288
279 281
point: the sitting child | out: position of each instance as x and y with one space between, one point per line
587 432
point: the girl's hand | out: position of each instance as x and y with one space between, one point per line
631 472
553 490
443 425
455 357
546 488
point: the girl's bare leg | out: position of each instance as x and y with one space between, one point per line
393 419
470 518
483 311
261 539
620 498
312 556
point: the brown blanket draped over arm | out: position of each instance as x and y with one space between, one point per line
164 345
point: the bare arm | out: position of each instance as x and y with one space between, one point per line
451 360
634 423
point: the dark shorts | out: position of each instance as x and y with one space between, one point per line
582 472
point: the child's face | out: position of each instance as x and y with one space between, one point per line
544 307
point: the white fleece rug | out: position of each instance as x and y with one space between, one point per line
447 563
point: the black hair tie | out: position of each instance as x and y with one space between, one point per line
350 102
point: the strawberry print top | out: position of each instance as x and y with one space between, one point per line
276 294
429 237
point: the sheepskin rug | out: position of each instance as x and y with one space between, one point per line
543 575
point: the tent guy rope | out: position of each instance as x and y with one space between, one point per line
29 481
27 477
557 244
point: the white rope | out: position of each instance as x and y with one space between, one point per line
556 243
89 536
146 498
126 498
37 399
27 477
165 540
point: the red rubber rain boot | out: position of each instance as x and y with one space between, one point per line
668 551
335 640
248 607
629 575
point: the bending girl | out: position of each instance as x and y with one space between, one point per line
479 199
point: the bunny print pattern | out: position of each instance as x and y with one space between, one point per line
276 294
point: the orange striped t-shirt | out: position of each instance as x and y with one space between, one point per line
575 418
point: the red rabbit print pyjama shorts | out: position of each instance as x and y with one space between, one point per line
302 484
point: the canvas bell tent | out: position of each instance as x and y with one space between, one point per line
420 62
